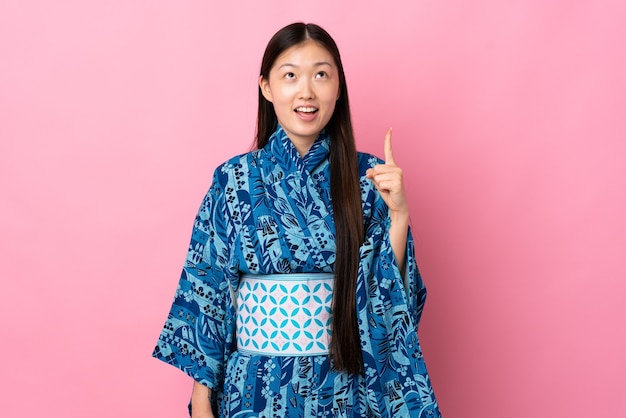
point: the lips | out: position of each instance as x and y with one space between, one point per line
306 110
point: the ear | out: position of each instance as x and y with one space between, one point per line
264 85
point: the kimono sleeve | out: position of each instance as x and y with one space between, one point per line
390 308
378 261
197 330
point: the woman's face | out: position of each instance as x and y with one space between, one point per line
303 86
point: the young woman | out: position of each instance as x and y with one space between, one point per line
300 296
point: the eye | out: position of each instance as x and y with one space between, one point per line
321 74
290 75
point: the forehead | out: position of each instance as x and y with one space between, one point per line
307 53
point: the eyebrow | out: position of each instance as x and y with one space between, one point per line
317 64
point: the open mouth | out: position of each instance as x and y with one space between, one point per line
306 110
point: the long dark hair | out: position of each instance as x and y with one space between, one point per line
345 347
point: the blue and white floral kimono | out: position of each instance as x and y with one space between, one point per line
269 211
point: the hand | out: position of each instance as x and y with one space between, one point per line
388 180
204 414
200 401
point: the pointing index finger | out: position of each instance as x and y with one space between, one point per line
388 151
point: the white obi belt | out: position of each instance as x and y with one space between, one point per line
284 314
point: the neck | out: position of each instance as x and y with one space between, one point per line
302 145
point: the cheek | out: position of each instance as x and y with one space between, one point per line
284 96
331 102
333 95
282 106
331 106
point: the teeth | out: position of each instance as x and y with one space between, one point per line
306 109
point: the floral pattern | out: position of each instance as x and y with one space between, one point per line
269 211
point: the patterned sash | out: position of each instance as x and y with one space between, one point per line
284 314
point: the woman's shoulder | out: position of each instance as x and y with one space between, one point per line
233 175
366 161
238 164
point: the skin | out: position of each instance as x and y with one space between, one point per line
303 76
389 182
201 407
306 75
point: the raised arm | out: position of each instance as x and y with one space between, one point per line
388 180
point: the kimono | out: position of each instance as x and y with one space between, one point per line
269 211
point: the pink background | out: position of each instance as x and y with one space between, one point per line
509 119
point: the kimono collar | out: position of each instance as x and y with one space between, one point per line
281 147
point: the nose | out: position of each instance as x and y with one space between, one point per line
306 89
